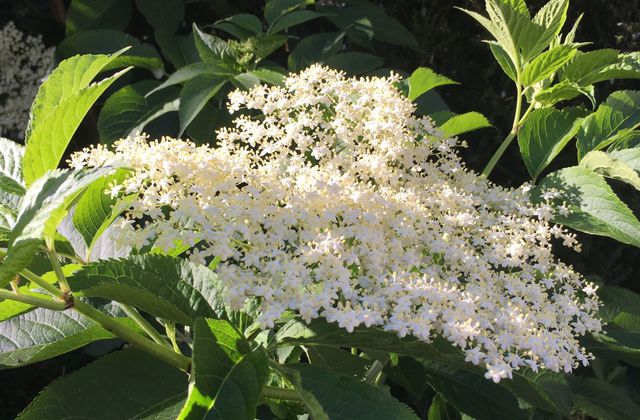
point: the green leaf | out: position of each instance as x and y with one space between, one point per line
543 136
594 207
313 49
547 64
354 62
60 105
190 71
131 108
108 41
472 394
585 64
440 410
464 123
423 80
564 91
166 15
194 96
551 17
272 77
262 45
11 154
227 377
629 156
167 287
294 18
275 9
500 32
626 140
42 334
43 207
98 14
626 67
212 49
94 211
601 400
331 396
610 167
522 35
126 384
242 25
503 59
338 361
621 111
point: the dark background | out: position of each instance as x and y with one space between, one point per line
450 43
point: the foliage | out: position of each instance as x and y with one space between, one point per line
198 357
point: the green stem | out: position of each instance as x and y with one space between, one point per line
127 334
33 300
276 393
34 278
55 263
170 328
374 372
148 328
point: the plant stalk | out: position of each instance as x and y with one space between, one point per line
33 300
55 263
124 332
148 328
374 372
36 279
277 393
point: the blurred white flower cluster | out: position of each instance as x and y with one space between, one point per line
25 62
335 201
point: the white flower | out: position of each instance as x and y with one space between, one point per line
339 202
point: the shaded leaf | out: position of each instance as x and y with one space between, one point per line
602 400
194 96
97 14
354 62
610 167
313 49
166 15
294 18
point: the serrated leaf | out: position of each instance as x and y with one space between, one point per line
594 207
167 287
424 79
551 17
194 96
108 41
43 207
544 134
499 31
60 105
126 384
331 396
211 48
11 154
629 156
96 14
463 123
602 400
503 59
131 108
472 394
546 64
313 49
564 91
626 67
227 377
42 334
523 36
94 211
610 167
620 113
166 15
585 64
294 18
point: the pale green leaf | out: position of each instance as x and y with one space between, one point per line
11 154
629 156
551 17
546 64
227 377
593 206
564 91
463 123
586 64
544 134
43 207
126 384
423 80
609 167
167 287
621 111
194 96
503 59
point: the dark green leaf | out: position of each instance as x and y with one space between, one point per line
242 26
108 41
211 48
440 410
125 385
167 287
619 113
60 105
331 396
294 18
543 136
227 378
354 62
275 9
338 361
594 207
270 76
163 15
313 49
194 96
601 400
97 14
423 80
192 70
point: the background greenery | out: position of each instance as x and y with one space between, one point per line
449 42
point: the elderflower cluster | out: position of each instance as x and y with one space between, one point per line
25 62
336 201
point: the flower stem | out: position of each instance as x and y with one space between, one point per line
34 278
55 263
124 332
33 300
277 393
148 328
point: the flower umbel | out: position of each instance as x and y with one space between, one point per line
338 202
